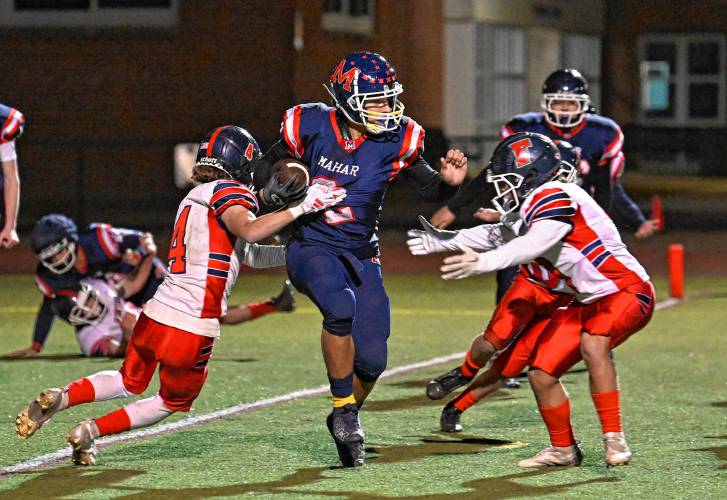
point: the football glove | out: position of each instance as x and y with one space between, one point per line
278 194
319 197
466 264
431 240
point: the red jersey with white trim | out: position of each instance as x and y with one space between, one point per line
203 266
592 255
365 167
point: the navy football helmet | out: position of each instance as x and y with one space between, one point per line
521 163
54 239
361 77
565 85
231 149
570 158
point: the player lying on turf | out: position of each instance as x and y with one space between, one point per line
566 233
178 326
67 255
104 321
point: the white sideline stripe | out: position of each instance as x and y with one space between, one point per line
57 456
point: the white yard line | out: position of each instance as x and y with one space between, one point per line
62 454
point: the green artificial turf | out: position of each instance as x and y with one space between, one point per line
673 403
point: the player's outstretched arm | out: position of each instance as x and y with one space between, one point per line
433 240
541 237
239 221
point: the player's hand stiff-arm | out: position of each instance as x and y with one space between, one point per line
540 238
243 224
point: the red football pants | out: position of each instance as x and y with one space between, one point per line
523 302
182 358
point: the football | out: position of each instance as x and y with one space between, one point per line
290 167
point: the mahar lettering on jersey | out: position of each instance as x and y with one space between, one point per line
337 168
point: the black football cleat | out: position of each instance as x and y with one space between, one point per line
449 421
345 428
444 384
285 301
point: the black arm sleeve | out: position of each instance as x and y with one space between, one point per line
476 187
43 323
427 182
598 184
624 207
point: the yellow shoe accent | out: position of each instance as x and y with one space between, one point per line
339 402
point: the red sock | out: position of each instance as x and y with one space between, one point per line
258 309
113 423
81 391
464 401
609 410
469 368
557 420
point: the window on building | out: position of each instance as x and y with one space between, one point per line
500 76
81 13
694 79
583 52
348 16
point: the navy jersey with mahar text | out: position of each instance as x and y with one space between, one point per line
364 167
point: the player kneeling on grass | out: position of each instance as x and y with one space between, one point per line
178 326
567 232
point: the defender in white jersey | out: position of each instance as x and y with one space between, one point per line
99 314
178 326
614 298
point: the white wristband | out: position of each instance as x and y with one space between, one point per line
297 211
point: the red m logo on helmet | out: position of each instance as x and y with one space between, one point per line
346 78
248 152
521 152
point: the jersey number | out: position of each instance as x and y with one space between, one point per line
338 215
178 250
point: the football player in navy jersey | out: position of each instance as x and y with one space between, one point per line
124 257
363 142
12 123
68 255
565 116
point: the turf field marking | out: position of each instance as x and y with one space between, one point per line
57 456
62 454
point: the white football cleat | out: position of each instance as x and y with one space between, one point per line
38 412
555 456
82 439
617 450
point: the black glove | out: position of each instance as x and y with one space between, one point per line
276 194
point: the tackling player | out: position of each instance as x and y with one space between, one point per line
178 326
12 123
68 255
362 142
566 231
